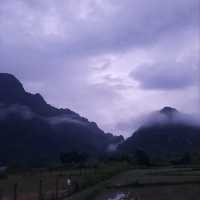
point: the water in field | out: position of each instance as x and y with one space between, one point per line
186 192
118 196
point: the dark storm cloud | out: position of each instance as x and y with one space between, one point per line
44 33
57 29
165 76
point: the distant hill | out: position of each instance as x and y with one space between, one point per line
33 131
165 133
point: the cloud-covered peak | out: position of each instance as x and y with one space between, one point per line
168 110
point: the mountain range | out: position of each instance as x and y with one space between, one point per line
32 130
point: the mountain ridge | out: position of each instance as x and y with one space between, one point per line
31 128
169 133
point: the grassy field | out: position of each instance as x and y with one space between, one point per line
148 184
106 183
45 183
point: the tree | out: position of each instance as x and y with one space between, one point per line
186 159
142 158
73 157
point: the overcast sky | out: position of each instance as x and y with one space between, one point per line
109 60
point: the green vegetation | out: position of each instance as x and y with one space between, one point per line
149 184
28 182
93 179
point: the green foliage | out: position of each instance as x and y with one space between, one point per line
142 158
73 157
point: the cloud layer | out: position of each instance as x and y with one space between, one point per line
166 75
109 60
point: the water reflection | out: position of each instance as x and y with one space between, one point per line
119 196
171 192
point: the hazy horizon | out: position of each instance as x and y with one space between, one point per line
110 61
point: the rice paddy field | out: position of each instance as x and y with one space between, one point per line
149 184
109 182
48 184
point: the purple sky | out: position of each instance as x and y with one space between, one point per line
109 60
